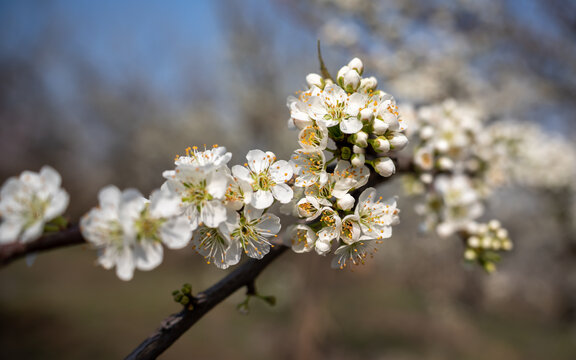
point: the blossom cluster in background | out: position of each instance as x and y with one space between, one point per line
459 160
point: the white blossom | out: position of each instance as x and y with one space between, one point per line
267 176
252 229
28 202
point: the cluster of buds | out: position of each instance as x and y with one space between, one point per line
361 121
356 125
484 242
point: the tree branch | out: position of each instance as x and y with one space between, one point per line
13 251
175 325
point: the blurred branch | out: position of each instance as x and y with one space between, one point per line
16 250
175 325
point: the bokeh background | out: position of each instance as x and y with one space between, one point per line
108 92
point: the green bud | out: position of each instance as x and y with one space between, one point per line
345 153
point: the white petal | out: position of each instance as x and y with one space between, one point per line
57 206
213 213
51 178
164 204
259 160
9 231
262 199
233 254
351 125
109 198
125 265
176 233
148 255
216 184
251 213
281 171
33 232
269 225
282 193
242 173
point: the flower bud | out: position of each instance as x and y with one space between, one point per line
358 160
398 141
345 153
384 166
340 76
426 132
379 127
351 81
494 225
380 144
359 139
445 163
356 64
358 150
470 255
368 84
366 115
315 80
473 241
346 203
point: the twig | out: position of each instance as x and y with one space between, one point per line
175 325
12 251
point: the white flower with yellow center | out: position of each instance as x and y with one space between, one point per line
331 226
310 207
267 176
252 229
301 238
206 160
201 191
216 245
237 194
28 202
355 253
350 231
313 137
333 106
374 216
310 167
129 230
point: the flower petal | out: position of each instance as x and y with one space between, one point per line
282 193
262 199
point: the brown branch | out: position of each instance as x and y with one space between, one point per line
175 325
13 251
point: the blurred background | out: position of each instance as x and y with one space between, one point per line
108 92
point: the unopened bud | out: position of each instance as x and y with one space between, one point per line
356 64
358 150
445 163
340 76
351 81
426 132
368 84
346 202
345 153
398 141
366 115
358 160
470 255
359 139
380 144
384 166
315 80
379 126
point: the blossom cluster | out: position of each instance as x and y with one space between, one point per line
202 202
355 125
222 212
484 241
